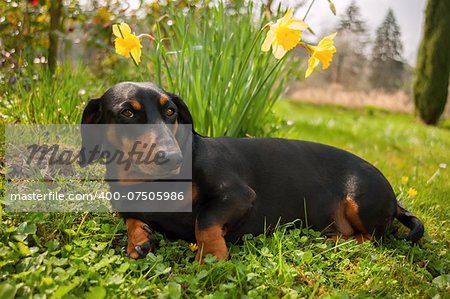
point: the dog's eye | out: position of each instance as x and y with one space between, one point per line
127 113
170 112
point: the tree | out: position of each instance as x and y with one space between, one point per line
387 62
352 20
433 63
351 42
56 12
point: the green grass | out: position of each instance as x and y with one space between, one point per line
74 255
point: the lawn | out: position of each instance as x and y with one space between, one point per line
70 255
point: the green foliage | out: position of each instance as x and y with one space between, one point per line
212 58
23 32
68 255
209 55
433 63
32 95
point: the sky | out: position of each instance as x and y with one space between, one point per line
409 15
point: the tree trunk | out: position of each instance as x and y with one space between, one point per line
56 10
433 63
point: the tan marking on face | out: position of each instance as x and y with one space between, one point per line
195 193
136 105
174 128
136 236
111 137
163 99
211 241
125 144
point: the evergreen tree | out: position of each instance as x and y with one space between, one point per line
433 62
352 21
387 62
349 61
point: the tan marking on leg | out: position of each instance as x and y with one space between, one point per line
210 241
336 238
352 216
348 222
136 236
163 99
135 104
363 237
341 222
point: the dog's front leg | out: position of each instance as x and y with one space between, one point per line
226 209
139 241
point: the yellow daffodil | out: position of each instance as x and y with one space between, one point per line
127 44
323 53
284 35
193 247
405 179
412 192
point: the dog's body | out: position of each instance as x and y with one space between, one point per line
247 185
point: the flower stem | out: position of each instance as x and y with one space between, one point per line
309 8
146 35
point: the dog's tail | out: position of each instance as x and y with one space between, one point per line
412 222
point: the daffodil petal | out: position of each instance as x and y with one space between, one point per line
270 37
298 25
287 16
136 53
331 36
278 51
327 41
312 64
120 47
124 29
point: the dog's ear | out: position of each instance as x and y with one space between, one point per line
91 133
184 116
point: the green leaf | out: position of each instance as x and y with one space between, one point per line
63 290
442 281
307 257
27 229
7 290
174 290
24 249
96 293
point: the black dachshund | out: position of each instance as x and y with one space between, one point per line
244 185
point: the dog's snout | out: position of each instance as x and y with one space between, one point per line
174 159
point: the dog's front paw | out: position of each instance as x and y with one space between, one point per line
139 239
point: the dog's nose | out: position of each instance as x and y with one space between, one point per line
174 159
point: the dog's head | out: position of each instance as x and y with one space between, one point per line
132 118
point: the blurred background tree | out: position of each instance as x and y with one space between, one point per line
433 63
387 65
352 39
